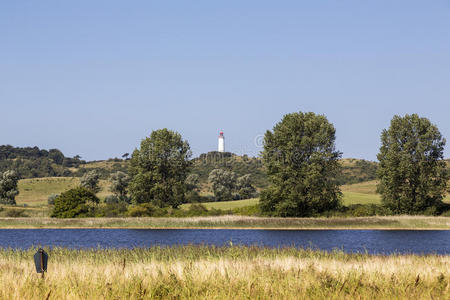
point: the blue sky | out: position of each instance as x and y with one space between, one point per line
95 77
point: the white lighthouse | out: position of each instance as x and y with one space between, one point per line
221 145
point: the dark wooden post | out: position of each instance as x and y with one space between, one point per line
42 262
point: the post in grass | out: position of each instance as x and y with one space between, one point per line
40 261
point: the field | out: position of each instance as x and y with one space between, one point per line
200 272
35 192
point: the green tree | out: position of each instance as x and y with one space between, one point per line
302 165
8 187
222 183
119 184
91 180
77 202
159 169
192 182
412 172
245 187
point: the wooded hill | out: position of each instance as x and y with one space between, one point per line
32 162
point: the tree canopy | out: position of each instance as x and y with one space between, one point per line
412 171
75 203
159 169
91 180
8 187
119 184
222 183
302 165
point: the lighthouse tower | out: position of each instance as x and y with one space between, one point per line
221 145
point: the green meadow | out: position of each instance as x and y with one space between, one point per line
35 192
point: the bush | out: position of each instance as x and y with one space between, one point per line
194 210
15 213
111 210
193 197
114 199
75 203
146 210
51 199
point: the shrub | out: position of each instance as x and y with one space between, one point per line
112 210
51 199
146 210
111 199
15 213
75 203
193 197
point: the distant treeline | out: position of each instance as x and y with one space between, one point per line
32 162
353 170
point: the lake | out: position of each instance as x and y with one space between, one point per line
371 241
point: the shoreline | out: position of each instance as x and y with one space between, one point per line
233 222
236 228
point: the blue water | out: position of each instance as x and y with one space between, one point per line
371 241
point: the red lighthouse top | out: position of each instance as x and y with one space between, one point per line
221 134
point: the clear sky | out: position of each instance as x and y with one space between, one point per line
95 77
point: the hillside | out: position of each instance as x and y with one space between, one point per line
32 162
353 170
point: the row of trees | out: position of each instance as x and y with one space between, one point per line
302 163
224 183
32 162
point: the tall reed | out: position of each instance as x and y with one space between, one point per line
207 272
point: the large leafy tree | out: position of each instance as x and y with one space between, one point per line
159 169
222 183
8 187
302 164
412 170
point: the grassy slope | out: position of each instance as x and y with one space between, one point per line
35 192
200 272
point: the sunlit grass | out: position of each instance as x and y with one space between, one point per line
227 205
350 198
35 191
377 222
199 272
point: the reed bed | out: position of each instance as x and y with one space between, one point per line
207 272
377 222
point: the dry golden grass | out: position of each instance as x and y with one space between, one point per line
233 221
192 272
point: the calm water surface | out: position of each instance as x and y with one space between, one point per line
372 241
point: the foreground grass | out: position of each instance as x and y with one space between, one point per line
200 272
378 222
